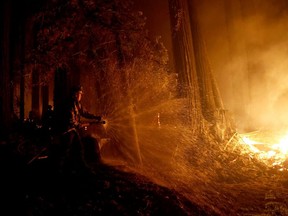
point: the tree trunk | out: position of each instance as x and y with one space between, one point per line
35 94
184 57
196 80
211 100
60 88
22 47
5 58
45 98
22 95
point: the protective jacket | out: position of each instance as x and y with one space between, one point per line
75 111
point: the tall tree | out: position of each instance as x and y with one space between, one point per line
196 80
184 57
5 68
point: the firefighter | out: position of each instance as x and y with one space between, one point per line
69 154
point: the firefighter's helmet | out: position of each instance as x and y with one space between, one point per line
77 89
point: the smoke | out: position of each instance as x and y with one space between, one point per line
246 43
247 46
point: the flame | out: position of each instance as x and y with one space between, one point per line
275 152
250 144
282 146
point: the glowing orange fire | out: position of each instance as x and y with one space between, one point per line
273 152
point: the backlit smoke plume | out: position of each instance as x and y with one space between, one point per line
247 44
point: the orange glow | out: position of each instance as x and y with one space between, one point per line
282 146
273 152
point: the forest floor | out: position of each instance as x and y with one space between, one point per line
35 190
